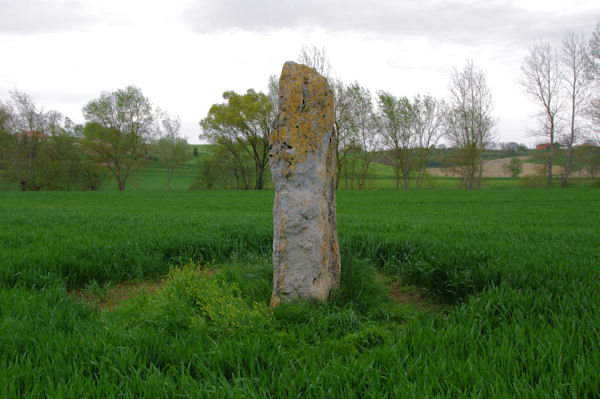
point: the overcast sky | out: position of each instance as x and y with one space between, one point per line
184 54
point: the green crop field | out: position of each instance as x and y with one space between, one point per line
148 293
153 176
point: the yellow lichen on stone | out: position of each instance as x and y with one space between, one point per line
302 90
306 256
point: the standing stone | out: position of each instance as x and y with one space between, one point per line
306 255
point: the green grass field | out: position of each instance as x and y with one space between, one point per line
154 177
512 279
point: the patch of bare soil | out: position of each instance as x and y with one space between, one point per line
108 297
408 295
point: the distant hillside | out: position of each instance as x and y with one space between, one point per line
440 157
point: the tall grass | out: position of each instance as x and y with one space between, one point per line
520 269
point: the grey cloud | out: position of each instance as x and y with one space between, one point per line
39 16
473 22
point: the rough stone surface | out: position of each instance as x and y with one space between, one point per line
306 256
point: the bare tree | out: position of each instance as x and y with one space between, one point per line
344 127
273 93
574 61
315 58
509 147
397 119
593 74
364 130
6 118
470 121
541 78
170 148
593 55
347 139
429 128
27 116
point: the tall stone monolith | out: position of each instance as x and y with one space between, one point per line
306 255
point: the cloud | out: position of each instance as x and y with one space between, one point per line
42 16
466 22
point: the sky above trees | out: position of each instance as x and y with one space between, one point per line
184 54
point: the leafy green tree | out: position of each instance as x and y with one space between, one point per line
241 126
5 118
92 175
218 170
353 168
587 156
37 148
119 125
36 162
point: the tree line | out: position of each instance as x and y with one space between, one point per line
401 132
43 150
397 131
564 82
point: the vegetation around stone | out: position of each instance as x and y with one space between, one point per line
515 294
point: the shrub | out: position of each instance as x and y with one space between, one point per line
218 303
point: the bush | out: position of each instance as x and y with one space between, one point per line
514 168
218 303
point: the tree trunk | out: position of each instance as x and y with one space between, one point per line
567 171
550 160
259 179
